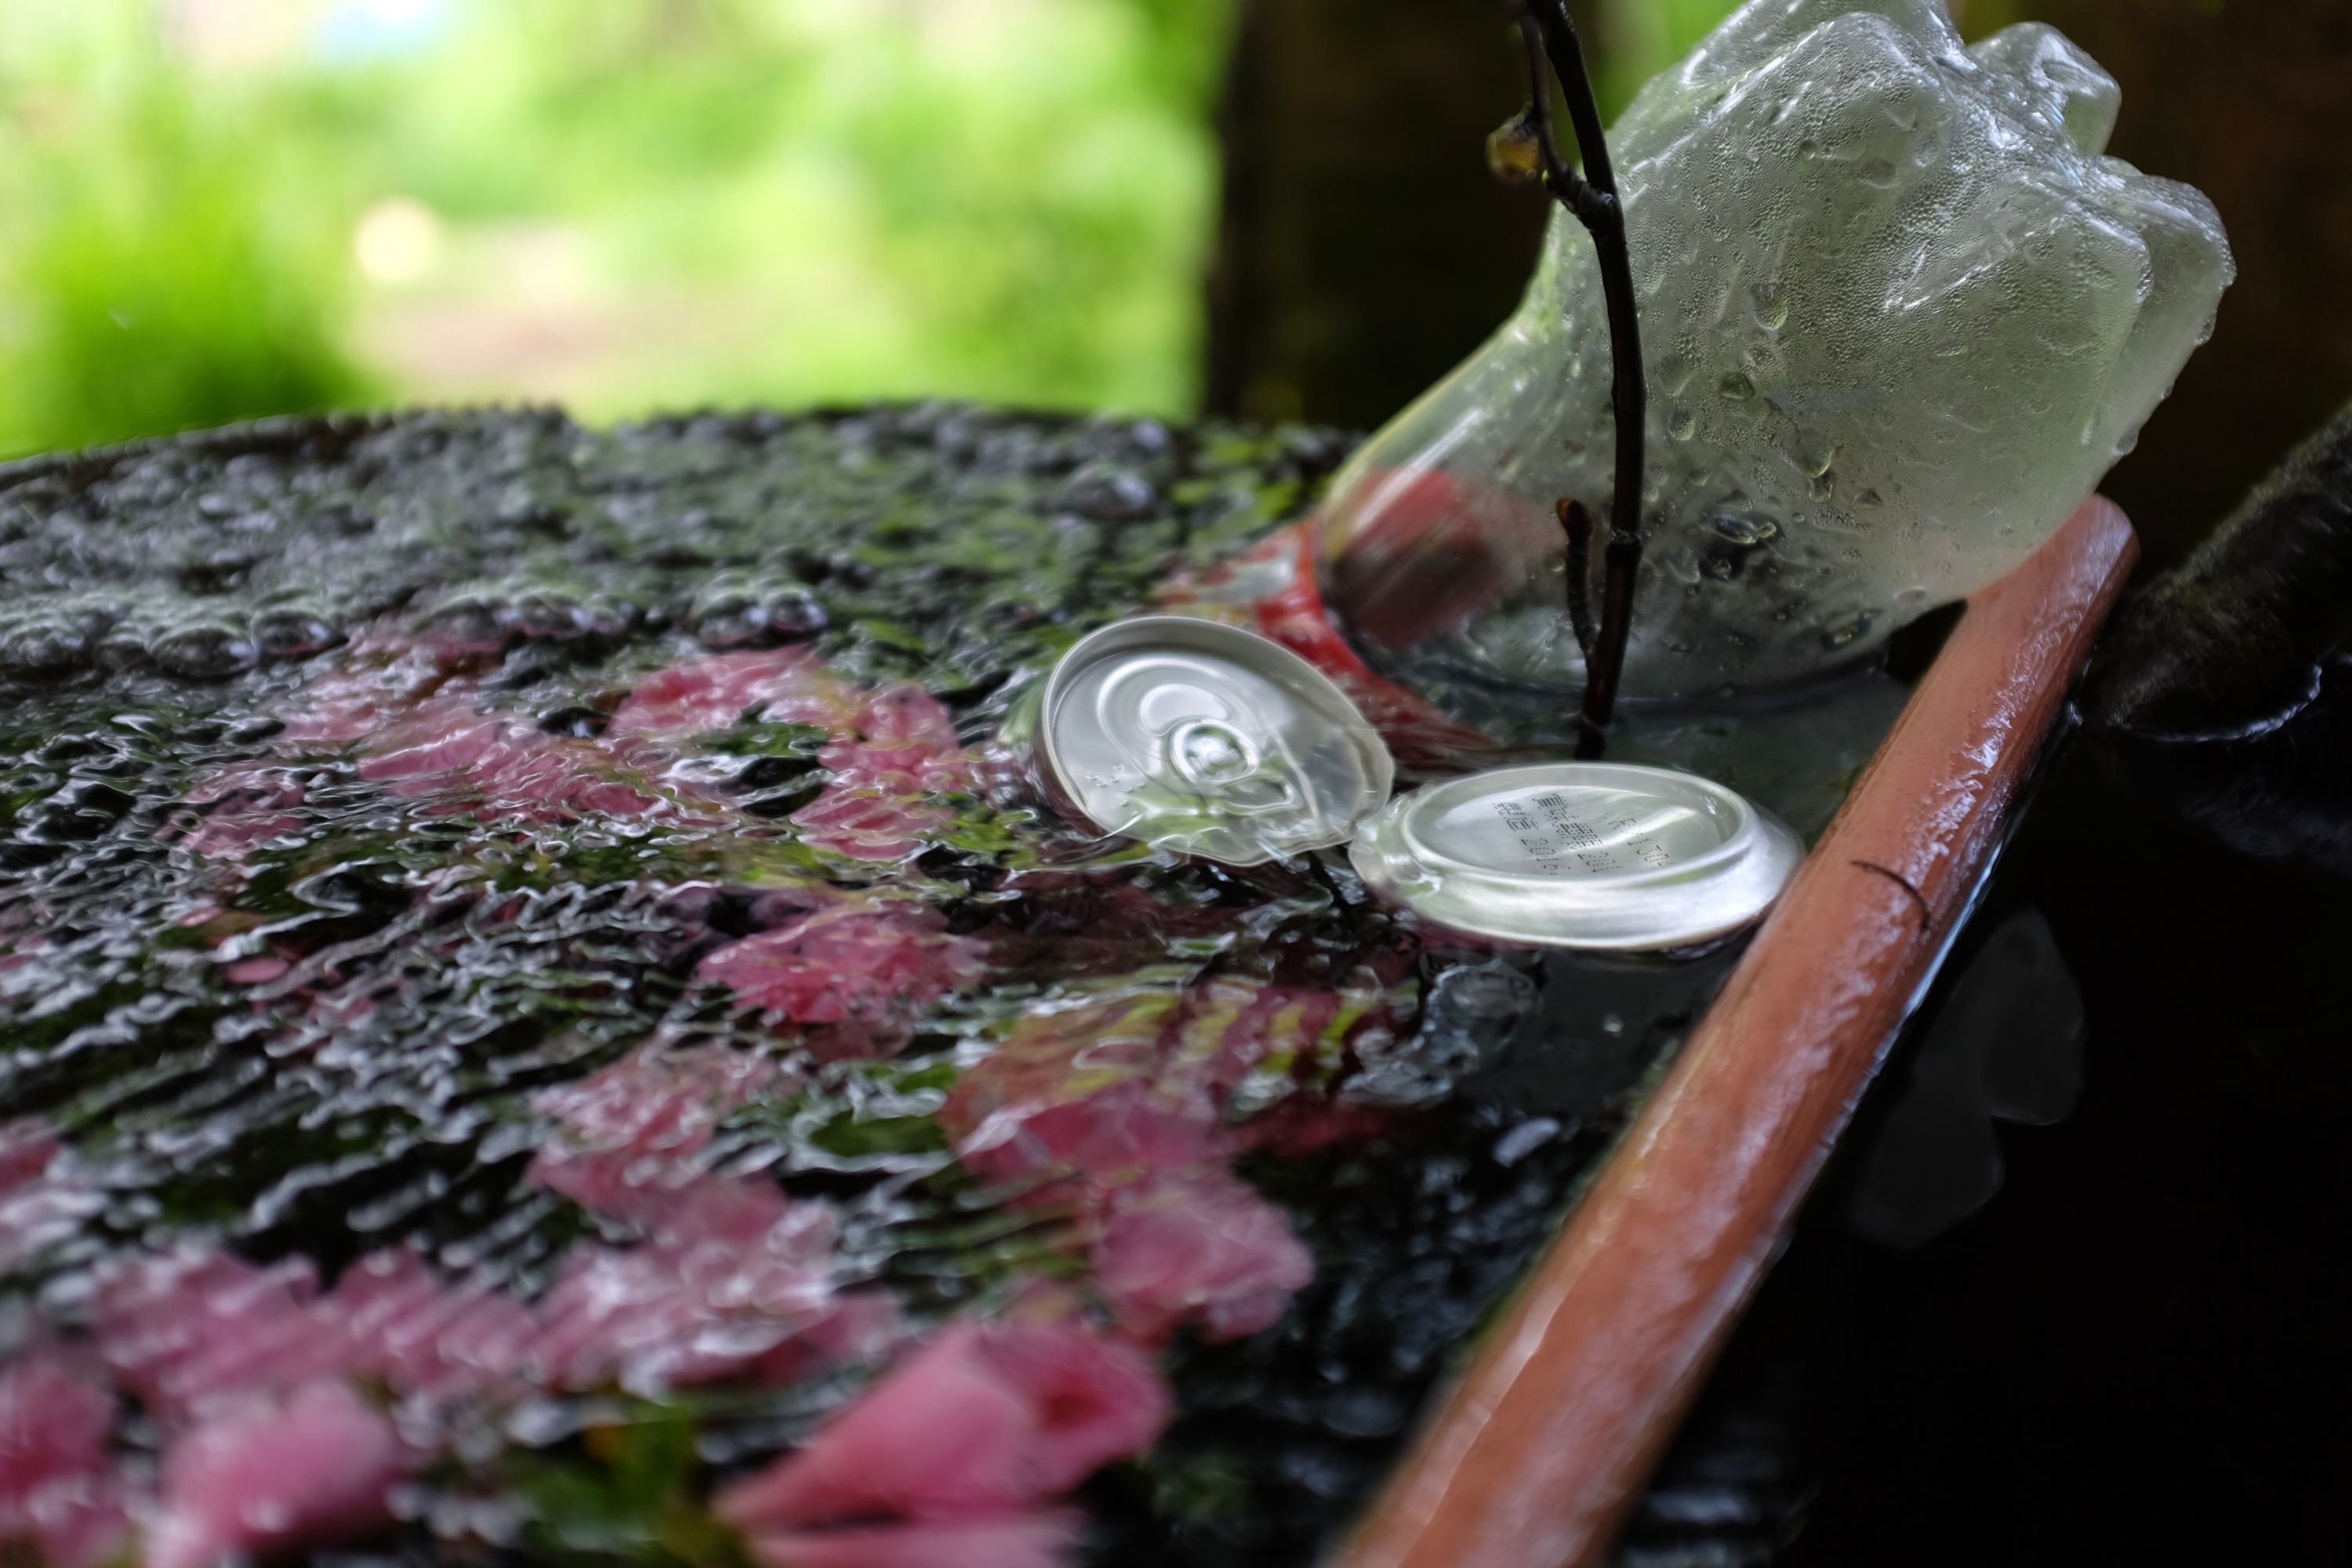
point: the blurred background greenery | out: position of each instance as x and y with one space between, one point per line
216 208
211 209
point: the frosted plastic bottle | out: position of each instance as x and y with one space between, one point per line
1901 315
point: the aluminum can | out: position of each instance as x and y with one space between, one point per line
1603 856
1200 737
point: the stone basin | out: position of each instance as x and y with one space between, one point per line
523 953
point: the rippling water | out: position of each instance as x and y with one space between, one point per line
541 1022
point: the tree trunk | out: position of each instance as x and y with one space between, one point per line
1364 249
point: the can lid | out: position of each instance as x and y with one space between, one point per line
1193 735
1601 855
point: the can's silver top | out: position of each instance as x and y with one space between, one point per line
1601 856
1201 737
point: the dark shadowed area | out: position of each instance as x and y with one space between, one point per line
1360 259
2076 1291
2133 1352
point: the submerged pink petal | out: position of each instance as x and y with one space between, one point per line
1201 1247
185 1328
39 1204
980 1422
942 1434
780 686
891 755
1026 1540
375 681
1117 1106
861 973
632 1132
424 1334
313 1469
863 822
887 773
189 1331
58 1498
905 738
1029 1106
1095 1400
730 1281
240 806
733 1281
495 765
26 1150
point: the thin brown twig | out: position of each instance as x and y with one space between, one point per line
1576 521
1548 34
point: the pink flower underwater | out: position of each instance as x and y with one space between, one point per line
779 686
59 1501
192 1331
184 1329
892 753
1199 1246
734 1281
632 1132
422 733
241 807
1272 589
425 1336
730 1280
39 1206
1119 1104
855 976
251 1375
982 1423
315 1468
1019 1540
1175 1237
376 679
888 771
496 765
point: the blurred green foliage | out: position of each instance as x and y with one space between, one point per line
1643 37
211 209
216 208
145 280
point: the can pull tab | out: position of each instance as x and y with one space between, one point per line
1218 759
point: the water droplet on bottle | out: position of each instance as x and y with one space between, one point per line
1737 385
1682 423
1847 633
1744 529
